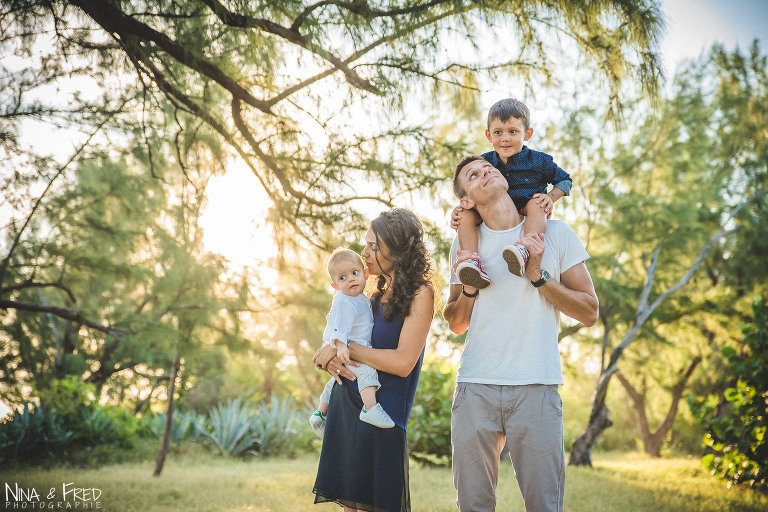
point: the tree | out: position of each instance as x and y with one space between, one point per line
317 99
737 434
283 84
107 245
684 193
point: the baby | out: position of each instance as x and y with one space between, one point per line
350 319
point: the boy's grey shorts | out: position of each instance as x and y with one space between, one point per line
366 376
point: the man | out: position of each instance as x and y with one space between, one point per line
508 378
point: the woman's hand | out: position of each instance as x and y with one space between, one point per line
325 359
323 355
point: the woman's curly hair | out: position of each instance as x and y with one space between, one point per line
401 231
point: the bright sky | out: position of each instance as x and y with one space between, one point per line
693 25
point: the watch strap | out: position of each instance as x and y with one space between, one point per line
470 295
542 281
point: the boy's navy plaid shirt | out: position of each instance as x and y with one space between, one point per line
529 172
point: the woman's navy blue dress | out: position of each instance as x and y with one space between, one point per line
362 466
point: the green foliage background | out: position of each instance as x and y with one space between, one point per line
340 109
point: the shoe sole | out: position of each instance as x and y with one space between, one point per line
515 264
472 277
319 430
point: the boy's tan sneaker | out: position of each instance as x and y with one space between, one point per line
470 273
516 257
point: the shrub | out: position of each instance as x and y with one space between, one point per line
738 435
185 426
31 431
228 429
238 428
276 426
126 431
96 426
429 428
68 396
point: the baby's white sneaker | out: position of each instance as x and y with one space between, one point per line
377 417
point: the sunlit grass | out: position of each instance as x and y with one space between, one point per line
197 481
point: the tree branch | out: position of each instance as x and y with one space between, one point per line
677 393
291 35
71 314
364 10
650 274
276 170
114 21
17 238
26 285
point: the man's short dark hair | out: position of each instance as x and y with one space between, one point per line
457 188
507 108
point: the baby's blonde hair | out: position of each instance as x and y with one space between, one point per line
340 254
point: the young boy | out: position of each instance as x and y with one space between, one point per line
350 319
527 172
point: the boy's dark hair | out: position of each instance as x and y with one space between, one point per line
457 188
510 107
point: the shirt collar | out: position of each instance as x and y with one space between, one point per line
495 160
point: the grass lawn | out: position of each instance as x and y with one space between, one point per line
194 480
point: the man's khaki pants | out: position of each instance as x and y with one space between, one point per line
529 421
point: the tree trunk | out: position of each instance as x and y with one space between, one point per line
653 441
599 418
169 416
581 448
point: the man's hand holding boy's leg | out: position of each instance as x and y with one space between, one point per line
534 244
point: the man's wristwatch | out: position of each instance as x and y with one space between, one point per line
542 281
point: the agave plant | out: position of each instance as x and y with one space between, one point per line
31 429
184 426
97 426
275 425
229 428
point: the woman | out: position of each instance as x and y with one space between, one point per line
363 467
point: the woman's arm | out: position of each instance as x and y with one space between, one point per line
413 338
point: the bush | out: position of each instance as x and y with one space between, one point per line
737 436
68 396
429 428
95 426
185 426
276 427
91 424
228 429
32 432
238 428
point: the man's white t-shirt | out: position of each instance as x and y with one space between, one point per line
512 336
